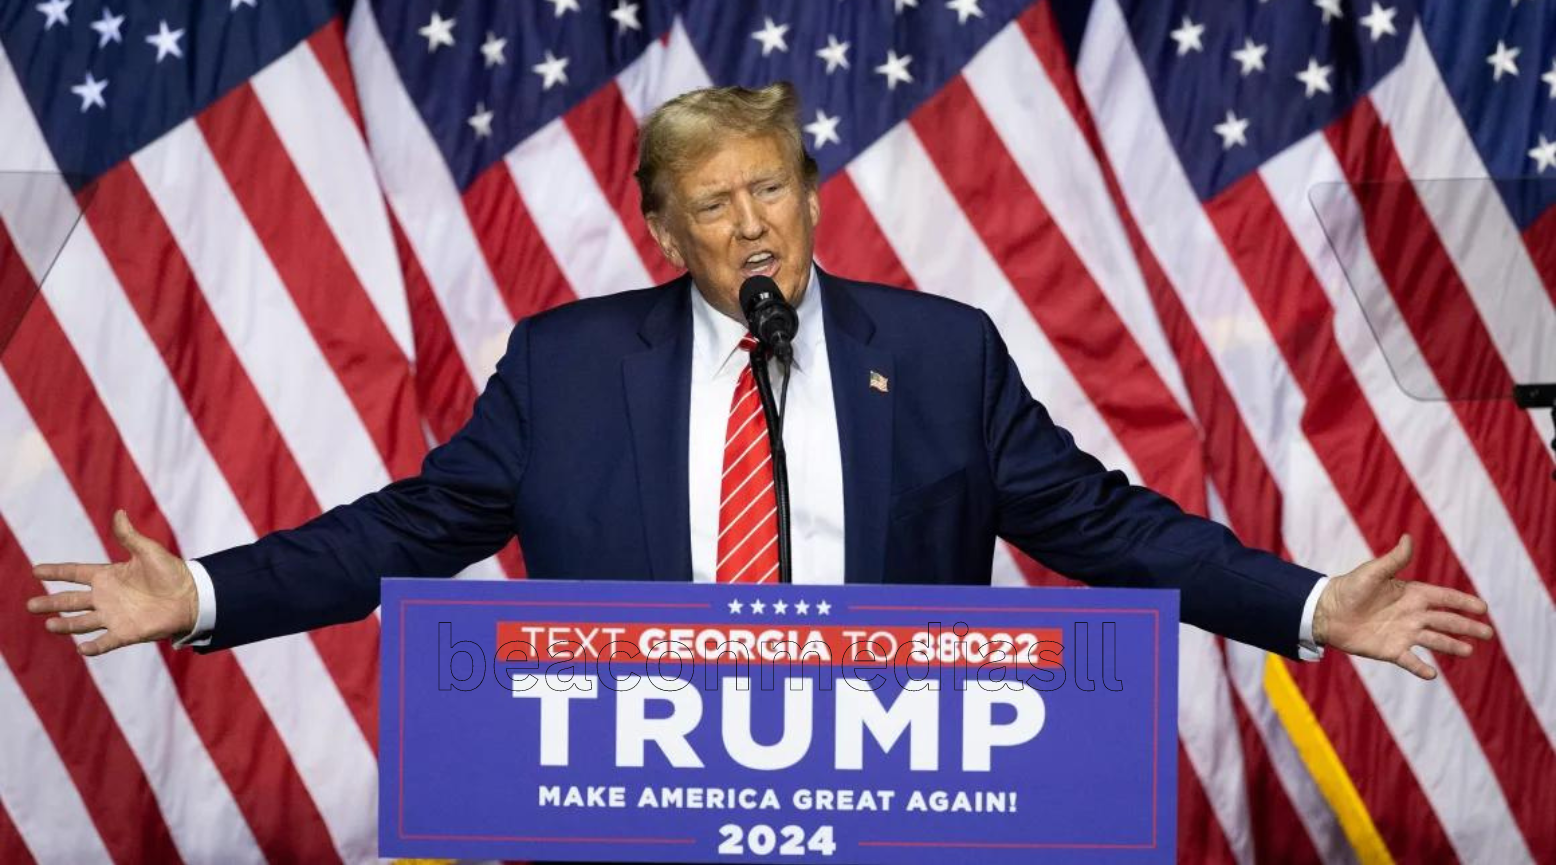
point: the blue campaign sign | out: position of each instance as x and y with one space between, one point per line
649 722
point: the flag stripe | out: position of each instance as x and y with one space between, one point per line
606 133
850 243
13 848
339 316
90 745
36 790
526 272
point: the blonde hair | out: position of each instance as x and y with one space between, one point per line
690 126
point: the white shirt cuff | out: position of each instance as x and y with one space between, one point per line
1307 648
205 619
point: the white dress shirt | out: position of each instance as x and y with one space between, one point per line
810 438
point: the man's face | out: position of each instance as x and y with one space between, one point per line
743 211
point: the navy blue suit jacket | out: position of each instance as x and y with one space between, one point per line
578 444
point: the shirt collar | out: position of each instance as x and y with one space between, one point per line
716 336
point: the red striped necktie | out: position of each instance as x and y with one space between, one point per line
748 506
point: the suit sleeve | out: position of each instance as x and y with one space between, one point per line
457 511
1061 506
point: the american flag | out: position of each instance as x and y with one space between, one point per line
307 229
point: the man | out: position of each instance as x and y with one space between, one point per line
619 439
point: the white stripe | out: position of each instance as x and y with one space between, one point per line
736 461
37 791
1430 442
1316 523
258 316
663 72
1473 223
943 254
42 510
581 229
1060 166
323 141
740 429
424 199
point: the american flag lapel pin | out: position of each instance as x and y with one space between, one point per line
879 382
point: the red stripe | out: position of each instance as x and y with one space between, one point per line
73 712
1201 839
1540 240
244 745
13 848
848 240
222 401
329 48
1061 294
339 314
1378 491
606 133
525 271
1442 317
17 288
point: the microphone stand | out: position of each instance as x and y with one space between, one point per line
764 392
1537 396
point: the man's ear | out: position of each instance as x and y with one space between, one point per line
666 241
813 201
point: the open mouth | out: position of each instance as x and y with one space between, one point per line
762 263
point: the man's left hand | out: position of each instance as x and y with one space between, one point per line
1369 612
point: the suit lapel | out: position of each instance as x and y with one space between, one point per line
864 428
658 389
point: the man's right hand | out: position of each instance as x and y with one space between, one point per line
150 597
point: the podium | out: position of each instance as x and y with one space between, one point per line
646 722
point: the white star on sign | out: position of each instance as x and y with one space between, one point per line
1250 57
91 92
492 50
823 608
734 607
758 607
166 41
481 121
1188 37
1233 131
439 31
1544 155
771 36
802 608
1331 9
1380 22
836 53
780 607
964 9
903 4
107 28
55 12
1503 60
564 6
1315 77
552 71
895 69
626 17
1550 78
824 128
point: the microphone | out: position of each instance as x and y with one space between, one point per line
769 316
